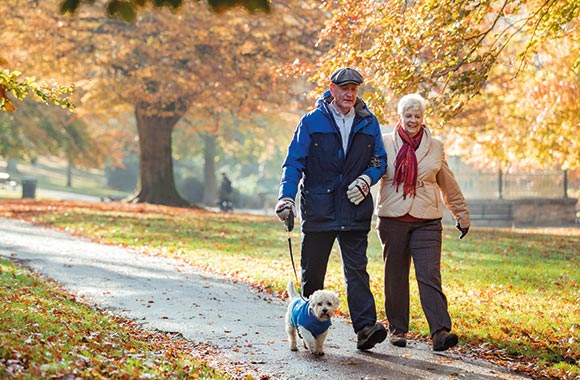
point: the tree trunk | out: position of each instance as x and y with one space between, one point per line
209 180
69 169
12 166
156 183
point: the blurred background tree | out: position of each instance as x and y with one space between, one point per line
165 65
517 62
180 84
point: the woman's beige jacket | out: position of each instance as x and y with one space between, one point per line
434 178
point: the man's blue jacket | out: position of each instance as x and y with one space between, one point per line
316 157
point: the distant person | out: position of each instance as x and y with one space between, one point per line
226 194
336 154
409 210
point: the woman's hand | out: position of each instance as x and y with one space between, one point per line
464 230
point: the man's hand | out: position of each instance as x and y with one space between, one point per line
464 230
284 207
359 189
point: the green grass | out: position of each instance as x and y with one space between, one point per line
511 292
45 333
51 174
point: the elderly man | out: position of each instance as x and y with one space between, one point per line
336 154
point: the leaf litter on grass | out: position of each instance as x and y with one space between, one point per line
47 333
480 274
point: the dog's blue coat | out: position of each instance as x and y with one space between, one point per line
302 316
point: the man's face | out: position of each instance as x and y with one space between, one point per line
344 96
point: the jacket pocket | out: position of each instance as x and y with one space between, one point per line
318 206
364 211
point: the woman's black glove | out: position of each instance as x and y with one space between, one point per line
464 231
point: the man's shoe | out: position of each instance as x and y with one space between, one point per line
442 340
370 335
398 340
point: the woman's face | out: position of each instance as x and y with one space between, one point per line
412 120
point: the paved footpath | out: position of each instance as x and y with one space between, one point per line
245 326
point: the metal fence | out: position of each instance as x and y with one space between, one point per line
486 185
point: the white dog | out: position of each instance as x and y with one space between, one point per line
309 319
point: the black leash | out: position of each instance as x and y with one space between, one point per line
289 223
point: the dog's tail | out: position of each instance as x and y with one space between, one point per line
292 293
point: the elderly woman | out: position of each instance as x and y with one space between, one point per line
409 210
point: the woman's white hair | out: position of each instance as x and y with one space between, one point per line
411 100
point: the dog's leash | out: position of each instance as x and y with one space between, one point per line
289 224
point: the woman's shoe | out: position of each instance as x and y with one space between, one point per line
398 340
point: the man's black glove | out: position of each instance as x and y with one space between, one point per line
464 230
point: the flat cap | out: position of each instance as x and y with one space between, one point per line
346 75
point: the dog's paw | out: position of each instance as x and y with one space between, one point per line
292 344
316 353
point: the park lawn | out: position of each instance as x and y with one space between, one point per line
513 293
45 333
51 174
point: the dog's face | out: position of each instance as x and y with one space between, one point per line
323 304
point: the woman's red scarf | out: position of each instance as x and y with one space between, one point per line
406 162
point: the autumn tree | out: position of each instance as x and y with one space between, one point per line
527 114
447 51
128 9
31 133
235 144
123 9
205 71
165 64
12 83
36 129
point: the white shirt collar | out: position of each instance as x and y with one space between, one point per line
336 112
